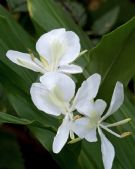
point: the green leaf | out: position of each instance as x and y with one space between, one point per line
114 57
10 155
126 10
103 24
17 6
12 36
52 16
64 158
76 10
7 118
21 100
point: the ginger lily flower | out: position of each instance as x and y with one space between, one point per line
55 96
57 50
85 127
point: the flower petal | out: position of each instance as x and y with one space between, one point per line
107 150
62 135
100 106
59 46
25 60
86 108
80 127
61 84
117 100
45 101
70 69
88 90
91 136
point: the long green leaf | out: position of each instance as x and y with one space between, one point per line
7 118
114 58
12 36
52 16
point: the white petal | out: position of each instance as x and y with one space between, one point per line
91 136
86 108
61 84
25 60
45 100
88 90
107 150
62 135
100 106
70 69
117 100
59 46
81 127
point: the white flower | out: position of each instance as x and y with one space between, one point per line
55 96
85 127
57 50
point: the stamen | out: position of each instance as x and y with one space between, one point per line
125 134
72 136
74 140
119 123
77 117
81 53
31 54
110 131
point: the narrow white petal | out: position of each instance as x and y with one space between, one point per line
61 84
46 101
100 106
25 60
59 46
70 69
107 150
88 90
116 101
62 135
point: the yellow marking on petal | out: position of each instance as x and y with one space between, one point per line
44 61
31 54
57 98
21 62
